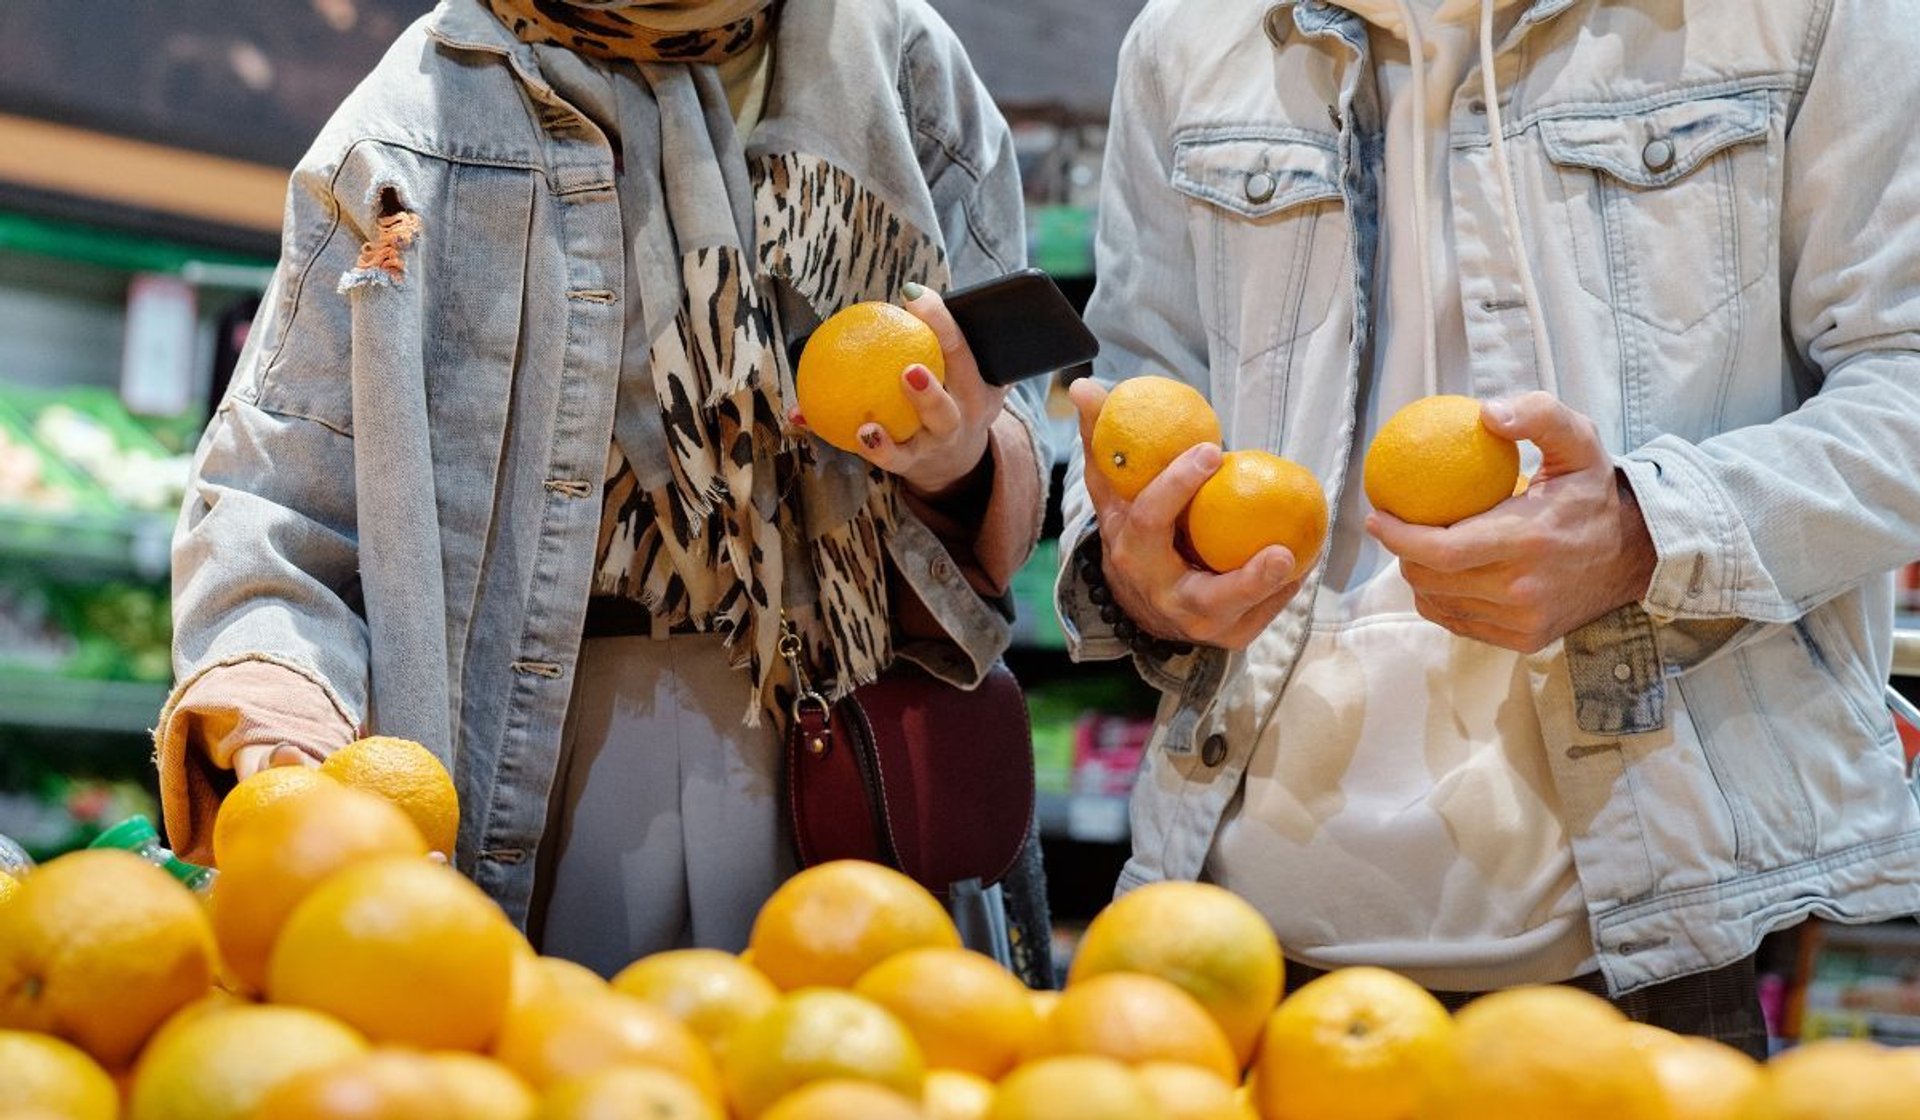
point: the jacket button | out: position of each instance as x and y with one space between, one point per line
1214 751
1623 672
1658 154
1260 187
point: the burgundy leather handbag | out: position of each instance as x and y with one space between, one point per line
914 773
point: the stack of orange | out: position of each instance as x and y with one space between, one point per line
368 981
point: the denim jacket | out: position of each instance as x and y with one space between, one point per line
1718 202
400 496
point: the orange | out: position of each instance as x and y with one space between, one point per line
849 374
9 886
566 1036
1355 1044
1835 1079
536 977
483 1089
844 1100
287 849
98 948
222 1065
1145 424
1700 1078
1254 500
1077 1088
953 1095
404 950
1191 1093
1546 1051
244 802
47 1074
1434 463
1136 1018
1203 938
628 1092
710 991
382 1085
832 922
407 774
966 1012
818 1034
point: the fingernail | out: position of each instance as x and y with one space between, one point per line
871 437
1208 456
1500 411
919 378
913 291
796 419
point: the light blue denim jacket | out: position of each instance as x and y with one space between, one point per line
400 496
1721 204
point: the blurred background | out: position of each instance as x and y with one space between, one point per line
144 150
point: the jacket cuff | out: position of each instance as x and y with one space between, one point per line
245 701
1689 524
992 541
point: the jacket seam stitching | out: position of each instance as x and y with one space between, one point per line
1758 882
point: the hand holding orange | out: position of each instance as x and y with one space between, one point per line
849 373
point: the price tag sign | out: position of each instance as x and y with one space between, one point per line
156 364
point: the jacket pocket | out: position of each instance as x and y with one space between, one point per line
1668 208
1268 230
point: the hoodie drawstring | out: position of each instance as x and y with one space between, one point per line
1510 205
1423 198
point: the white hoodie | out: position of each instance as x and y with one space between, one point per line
1399 811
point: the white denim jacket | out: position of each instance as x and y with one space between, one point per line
1721 207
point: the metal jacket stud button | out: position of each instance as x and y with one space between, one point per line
1658 154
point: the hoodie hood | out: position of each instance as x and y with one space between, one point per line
1387 15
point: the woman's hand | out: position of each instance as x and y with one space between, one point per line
955 418
1151 580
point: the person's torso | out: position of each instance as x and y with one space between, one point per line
1647 141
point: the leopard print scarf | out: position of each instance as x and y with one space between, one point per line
717 517
641 30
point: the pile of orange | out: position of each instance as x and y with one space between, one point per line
342 972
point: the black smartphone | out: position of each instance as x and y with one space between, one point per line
1020 325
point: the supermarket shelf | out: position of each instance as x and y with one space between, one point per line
88 544
1089 818
80 705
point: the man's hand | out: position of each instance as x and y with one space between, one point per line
1153 583
956 418
1536 567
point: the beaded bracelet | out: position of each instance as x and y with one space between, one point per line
1094 575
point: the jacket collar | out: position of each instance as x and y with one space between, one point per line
1313 16
467 25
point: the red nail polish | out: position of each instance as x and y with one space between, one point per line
919 378
872 440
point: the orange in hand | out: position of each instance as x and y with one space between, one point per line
849 373
1434 463
1144 425
1254 500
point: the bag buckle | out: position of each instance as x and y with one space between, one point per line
819 731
